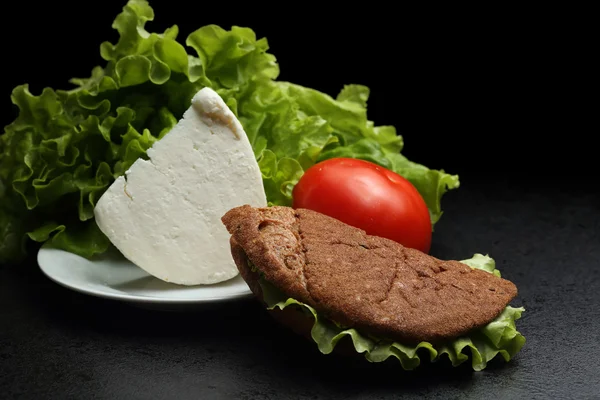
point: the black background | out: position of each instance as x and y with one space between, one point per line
502 91
501 97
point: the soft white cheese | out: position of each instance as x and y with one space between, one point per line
165 214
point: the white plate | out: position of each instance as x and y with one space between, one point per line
114 277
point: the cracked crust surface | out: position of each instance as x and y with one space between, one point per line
361 281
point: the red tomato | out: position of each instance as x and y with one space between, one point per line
369 197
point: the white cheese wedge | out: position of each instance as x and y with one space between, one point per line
165 214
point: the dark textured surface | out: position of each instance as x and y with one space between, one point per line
55 343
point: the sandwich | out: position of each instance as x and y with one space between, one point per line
328 280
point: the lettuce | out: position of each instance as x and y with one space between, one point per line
67 146
499 337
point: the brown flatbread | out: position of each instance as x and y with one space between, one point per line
370 283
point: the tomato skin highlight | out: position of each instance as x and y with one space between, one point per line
367 196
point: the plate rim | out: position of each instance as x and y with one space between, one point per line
130 297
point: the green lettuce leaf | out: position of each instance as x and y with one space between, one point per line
309 126
483 262
66 147
63 153
499 337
